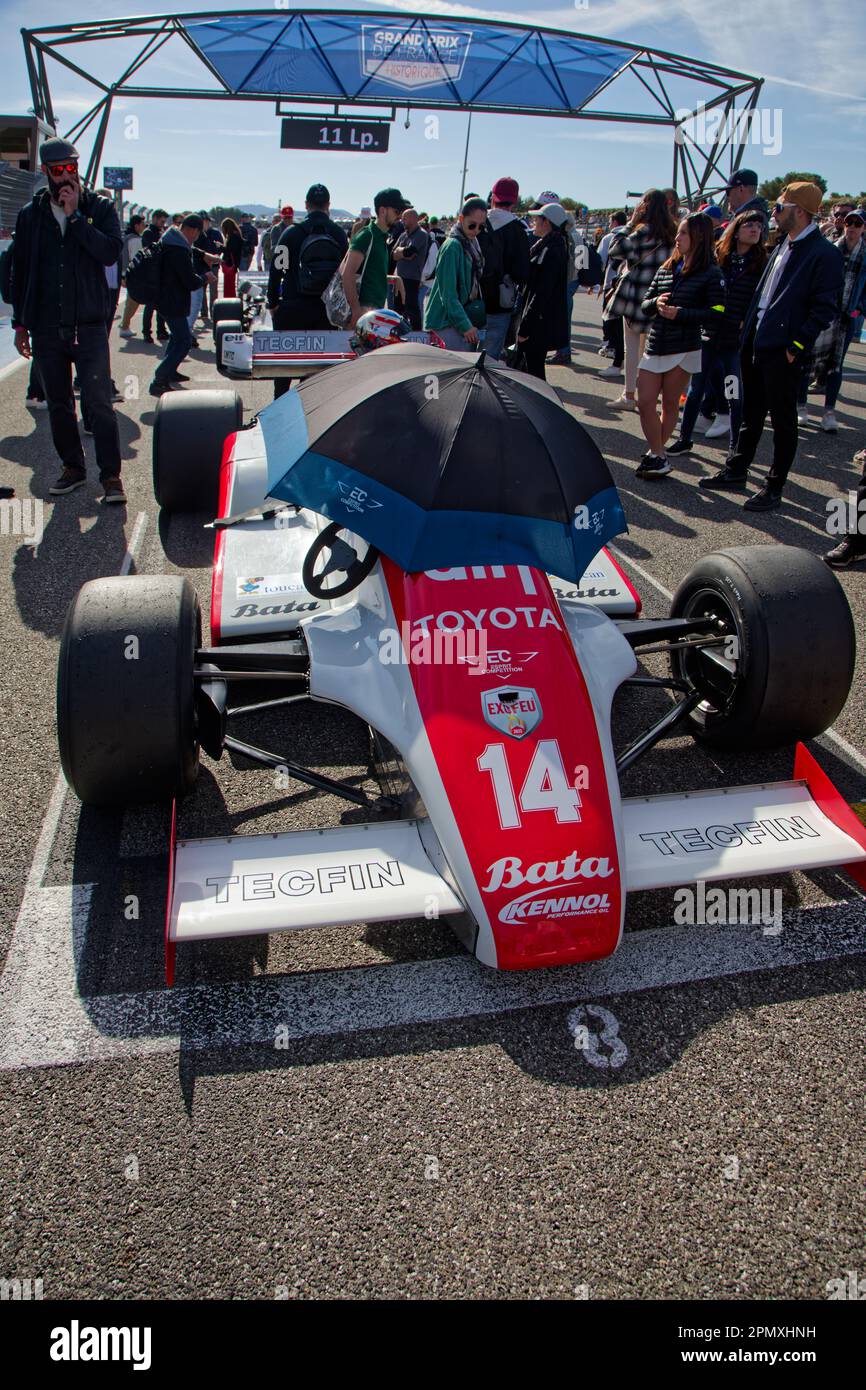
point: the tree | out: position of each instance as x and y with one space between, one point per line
771 188
217 215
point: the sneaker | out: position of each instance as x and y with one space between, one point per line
6 492
112 491
610 373
702 424
125 333
179 376
656 466
36 402
802 415
720 427
147 337
69 480
763 501
626 400
605 350
828 422
158 388
844 554
724 481
163 337
117 396
193 342
682 446
644 460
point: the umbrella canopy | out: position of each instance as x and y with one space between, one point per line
439 458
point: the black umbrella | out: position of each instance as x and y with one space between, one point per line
440 458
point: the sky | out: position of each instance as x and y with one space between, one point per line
190 154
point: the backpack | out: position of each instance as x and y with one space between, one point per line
144 275
587 264
318 258
494 257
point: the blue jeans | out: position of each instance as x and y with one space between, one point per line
497 331
716 364
176 349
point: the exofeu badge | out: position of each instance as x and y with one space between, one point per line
514 710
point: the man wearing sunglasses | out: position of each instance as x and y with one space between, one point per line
64 239
794 301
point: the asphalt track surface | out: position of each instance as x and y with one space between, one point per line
430 1128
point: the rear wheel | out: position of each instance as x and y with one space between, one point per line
227 309
188 436
785 668
222 328
126 722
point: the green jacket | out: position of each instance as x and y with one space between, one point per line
443 307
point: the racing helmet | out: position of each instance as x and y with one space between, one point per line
379 327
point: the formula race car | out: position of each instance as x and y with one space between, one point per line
488 694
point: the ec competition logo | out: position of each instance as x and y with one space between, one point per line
409 56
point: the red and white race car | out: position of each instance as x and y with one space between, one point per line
488 693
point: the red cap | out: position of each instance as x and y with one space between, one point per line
287 212
505 190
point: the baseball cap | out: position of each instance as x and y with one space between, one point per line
54 150
287 211
391 198
807 196
744 178
318 195
554 212
855 212
505 190
712 210
205 216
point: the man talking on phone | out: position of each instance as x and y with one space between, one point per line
64 239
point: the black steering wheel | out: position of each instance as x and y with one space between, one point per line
343 557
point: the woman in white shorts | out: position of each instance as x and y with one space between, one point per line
688 291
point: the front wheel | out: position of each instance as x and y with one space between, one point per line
189 432
126 720
784 660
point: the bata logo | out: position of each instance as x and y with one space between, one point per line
270 610
553 902
510 873
452 620
512 710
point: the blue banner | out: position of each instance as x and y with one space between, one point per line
397 58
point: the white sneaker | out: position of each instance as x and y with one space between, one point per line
702 424
802 415
720 426
828 422
611 373
630 402
125 333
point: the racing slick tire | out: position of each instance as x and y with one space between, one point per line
188 436
220 330
788 671
227 309
126 721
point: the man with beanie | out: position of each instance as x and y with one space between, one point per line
64 240
795 299
508 264
178 279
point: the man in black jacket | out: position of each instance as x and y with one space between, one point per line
152 233
64 239
178 277
502 288
302 264
796 298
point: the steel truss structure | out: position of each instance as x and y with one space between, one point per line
248 54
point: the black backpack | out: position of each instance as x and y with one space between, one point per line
318 258
144 274
494 257
591 274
